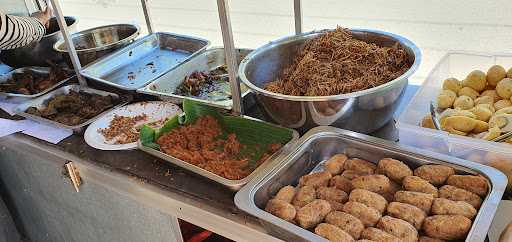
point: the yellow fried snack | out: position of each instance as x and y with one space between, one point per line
474 184
492 133
509 73
443 206
287 193
394 169
458 194
332 233
374 183
452 84
468 91
331 194
360 166
427 122
368 198
346 222
369 216
335 164
374 234
463 102
313 213
491 93
458 124
407 212
447 227
435 174
351 174
480 126
399 228
455 112
482 112
420 200
319 179
504 88
281 209
495 74
304 195
484 100
501 104
417 184
428 239
446 98
341 183
476 80
336 206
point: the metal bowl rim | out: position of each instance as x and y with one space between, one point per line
60 42
75 19
402 40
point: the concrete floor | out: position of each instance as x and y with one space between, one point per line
436 26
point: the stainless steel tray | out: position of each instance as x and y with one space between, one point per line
44 71
322 142
165 86
141 62
234 185
42 101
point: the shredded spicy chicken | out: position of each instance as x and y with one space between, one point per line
337 63
199 144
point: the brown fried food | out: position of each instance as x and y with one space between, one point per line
407 212
313 213
335 164
319 179
368 198
447 227
378 235
417 184
351 174
332 233
428 239
394 169
443 206
360 166
346 222
336 206
281 209
331 194
399 228
305 195
286 193
341 183
394 187
459 194
365 240
374 183
368 215
474 184
420 200
435 174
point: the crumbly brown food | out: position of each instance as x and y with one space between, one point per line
335 164
420 200
305 195
368 215
313 213
286 193
281 209
417 184
443 206
399 228
474 184
337 63
374 183
375 234
199 145
447 227
368 198
435 174
341 183
331 194
346 222
122 129
407 212
459 194
319 179
360 166
351 174
333 233
394 169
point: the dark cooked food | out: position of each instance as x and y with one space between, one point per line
122 130
74 108
337 63
30 82
202 144
213 85
367 214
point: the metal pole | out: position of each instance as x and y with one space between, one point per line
68 41
147 16
297 13
229 50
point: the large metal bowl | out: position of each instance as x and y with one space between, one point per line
363 111
39 53
92 44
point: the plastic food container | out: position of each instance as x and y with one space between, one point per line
458 65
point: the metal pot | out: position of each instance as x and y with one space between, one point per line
363 111
39 53
95 43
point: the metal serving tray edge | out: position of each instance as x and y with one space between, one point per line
234 185
247 198
4 77
20 109
127 49
195 63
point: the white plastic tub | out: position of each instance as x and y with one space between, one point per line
458 65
